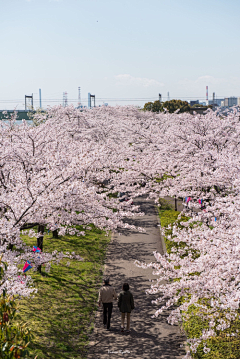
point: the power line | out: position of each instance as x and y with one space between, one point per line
20 102
115 98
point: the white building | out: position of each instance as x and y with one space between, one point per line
230 101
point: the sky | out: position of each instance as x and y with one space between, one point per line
123 52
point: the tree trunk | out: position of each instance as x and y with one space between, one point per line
10 246
175 203
55 233
40 242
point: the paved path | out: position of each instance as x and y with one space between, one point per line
149 338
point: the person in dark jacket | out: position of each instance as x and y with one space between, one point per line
125 305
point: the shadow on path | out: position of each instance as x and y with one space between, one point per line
149 337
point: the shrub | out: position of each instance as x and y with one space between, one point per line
14 336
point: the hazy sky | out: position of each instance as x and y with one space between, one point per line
118 50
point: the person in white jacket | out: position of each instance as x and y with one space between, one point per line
106 295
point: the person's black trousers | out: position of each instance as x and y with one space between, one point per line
107 312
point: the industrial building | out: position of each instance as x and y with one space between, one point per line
231 101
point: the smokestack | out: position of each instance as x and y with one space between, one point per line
207 95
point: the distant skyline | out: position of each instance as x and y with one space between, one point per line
123 52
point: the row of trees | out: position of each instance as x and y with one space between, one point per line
171 106
65 172
200 155
196 156
68 169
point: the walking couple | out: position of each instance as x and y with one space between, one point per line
125 303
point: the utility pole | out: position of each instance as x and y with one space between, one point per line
40 98
65 101
89 100
79 96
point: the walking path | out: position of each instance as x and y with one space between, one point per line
149 338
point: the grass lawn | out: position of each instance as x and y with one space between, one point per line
61 315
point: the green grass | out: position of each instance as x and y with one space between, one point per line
61 315
168 217
222 346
